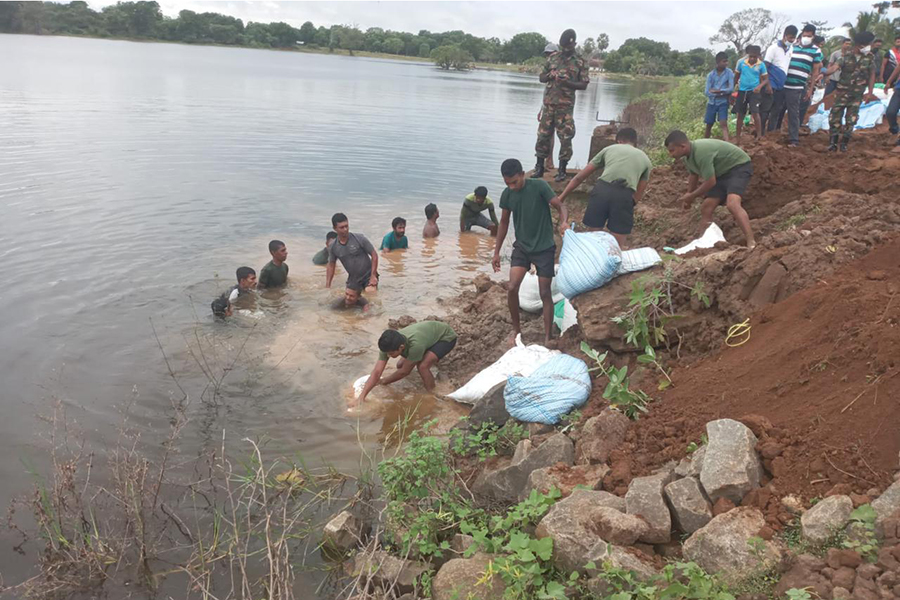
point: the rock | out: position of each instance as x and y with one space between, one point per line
507 483
600 436
645 499
840 593
523 449
690 466
386 570
342 533
723 547
804 573
868 571
490 409
622 559
887 503
849 558
617 527
792 504
482 283
824 519
460 542
565 479
731 467
459 578
722 506
690 508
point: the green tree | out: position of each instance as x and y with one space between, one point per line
743 28
424 50
451 57
602 43
307 32
283 35
588 48
393 45
523 46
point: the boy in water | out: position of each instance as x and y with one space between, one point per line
357 255
529 201
473 205
275 273
419 346
725 170
246 281
719 85
352 299
321 257
396 239
750 77
431 229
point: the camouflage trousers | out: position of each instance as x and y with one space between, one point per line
562 120
844 113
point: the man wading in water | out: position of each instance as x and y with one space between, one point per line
356 254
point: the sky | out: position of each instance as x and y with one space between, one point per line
684 25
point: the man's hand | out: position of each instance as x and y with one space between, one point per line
870 98
373 281
495 262
554 73
563 228
686 201
808 96
757 89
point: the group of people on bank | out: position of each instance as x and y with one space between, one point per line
719 174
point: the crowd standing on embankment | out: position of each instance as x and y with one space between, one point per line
767 86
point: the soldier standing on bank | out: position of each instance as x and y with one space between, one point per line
564 73
857 76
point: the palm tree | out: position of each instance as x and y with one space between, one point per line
865 21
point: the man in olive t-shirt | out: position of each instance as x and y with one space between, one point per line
725 170
420 345
275 273
529 202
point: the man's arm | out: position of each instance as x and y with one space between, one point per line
576 181
501 237
811 82
697 192
893 78
871 82
493 214
401 372
373 278
763 82
462 218
329 273
641 188
373 380
547 74
560 206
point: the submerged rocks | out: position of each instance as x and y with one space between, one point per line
826 518
731 467
723 545
461 578
645 499
385 570
342 533
690 508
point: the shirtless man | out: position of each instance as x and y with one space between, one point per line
431 229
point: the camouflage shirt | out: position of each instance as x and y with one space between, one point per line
572 68
855 72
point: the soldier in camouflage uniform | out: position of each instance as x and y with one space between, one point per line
857 74
564 73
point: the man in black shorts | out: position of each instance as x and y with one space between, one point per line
419 346
725 170
626 171
357 255
529 201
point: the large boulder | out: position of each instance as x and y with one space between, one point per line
723 545
826 518
600 436
490 409
461 578
565 479
342 533
385 570
621 558
731 466
645 499
617 527
888 503
690 508
507 483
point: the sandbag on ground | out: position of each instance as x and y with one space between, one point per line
530 294
552 390
588 260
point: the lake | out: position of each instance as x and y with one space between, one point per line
135 178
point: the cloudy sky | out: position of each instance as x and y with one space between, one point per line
684 25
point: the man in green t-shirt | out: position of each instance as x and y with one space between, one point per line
529 202
725 170
473 205
275 273
419 346
626 171
396 239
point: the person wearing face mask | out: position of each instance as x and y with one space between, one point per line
564 73
857 75
879 57
803 71
778 60
891 60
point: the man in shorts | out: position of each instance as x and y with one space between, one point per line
419 346
529 202
725 170
622 183
750 77
719 85
473 207
357 255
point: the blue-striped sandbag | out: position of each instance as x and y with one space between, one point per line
551 391
588 260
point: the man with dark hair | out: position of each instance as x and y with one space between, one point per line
891 60
356 254
352 299
420 346
846 47
321 257
275 272
878 56
857 73
396 239
806 62
564 73
777 60
529 202
750 76
719 85
431 229
815 82
548 162
725 170
246 281
473 205
622 183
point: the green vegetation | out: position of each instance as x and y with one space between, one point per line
451 57
632 403
488 440
681 107
643 56
860 534
677 580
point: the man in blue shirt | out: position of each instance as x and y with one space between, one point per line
750 77
719 85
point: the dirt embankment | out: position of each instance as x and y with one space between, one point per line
817 380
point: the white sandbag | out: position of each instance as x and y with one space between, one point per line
588 260
712 236
638 260
358 385
520 360
564 315
530 294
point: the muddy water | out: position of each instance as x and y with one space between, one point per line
135 178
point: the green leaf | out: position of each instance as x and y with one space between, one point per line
665 383
543 548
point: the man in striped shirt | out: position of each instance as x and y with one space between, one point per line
806 61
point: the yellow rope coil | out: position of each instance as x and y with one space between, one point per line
739 331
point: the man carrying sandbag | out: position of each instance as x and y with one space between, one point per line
624 177
529 201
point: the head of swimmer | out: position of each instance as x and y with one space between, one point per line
246 278
330 237
351 297
513 175
399 227
480 194
278 251
392 343
341 225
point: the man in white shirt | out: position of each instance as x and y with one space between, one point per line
778 60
